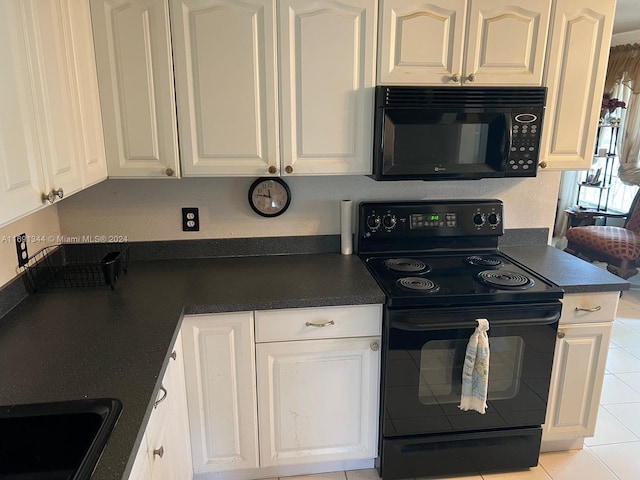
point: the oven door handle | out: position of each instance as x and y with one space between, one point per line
423 326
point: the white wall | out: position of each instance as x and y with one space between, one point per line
625 38
150 209
42 229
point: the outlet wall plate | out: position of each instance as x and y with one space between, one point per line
190 219
21 249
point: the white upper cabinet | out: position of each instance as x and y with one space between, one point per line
327 75
225 64
50 127
575 74
420 42
54 90
468 42
133 53
93 163
21 180
228 62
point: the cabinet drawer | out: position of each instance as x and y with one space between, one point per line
589 307
323 322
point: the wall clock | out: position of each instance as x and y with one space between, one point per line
269 197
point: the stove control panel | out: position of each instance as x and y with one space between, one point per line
383 224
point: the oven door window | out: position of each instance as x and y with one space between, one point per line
424 355
441 363
427 142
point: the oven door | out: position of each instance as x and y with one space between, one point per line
424 356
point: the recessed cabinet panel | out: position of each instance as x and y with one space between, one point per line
420 42
575 77
506 42
576 383
221 393
20 181
133 54
317 400
327 54
226 84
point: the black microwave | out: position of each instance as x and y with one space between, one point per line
457 133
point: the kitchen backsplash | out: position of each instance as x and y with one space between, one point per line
151 209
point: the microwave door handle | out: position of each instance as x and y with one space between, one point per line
508 123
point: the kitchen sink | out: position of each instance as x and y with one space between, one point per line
55 441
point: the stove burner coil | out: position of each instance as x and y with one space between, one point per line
407 265
418 283
505 280
484 261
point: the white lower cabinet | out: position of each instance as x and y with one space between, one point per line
300 398
165 452
578 369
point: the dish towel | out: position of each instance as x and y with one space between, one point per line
475 372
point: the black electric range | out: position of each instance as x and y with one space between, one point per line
440 267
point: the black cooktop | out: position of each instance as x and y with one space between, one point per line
456 278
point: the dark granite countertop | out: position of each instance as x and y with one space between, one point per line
93 342
567 271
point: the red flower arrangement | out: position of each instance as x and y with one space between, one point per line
611 104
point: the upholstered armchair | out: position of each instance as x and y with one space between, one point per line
618 246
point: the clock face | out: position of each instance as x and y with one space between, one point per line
269 197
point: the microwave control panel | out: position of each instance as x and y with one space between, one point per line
525 144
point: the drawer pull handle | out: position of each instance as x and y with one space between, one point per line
159 451
593 309
320 324
161 399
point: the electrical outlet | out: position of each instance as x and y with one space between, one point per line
190 219
21 249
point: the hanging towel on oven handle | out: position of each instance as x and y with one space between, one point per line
475 372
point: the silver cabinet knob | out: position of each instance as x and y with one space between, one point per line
51 196
471 78
561 334
159 451
375 346
455 78
169 172
174 355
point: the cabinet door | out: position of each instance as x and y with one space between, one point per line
220 376
177 406
160 441
141 469
576 380
21 182
318 400
327 73
55 93
421 43
93 164
225 64
133 54
506 42
575 74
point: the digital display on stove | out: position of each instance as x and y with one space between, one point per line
430 220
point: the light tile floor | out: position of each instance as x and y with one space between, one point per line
614 452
